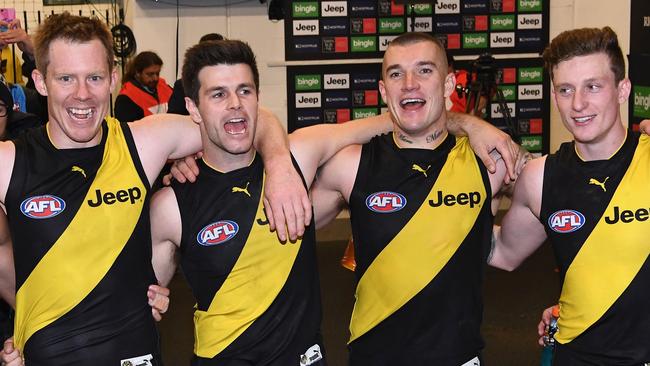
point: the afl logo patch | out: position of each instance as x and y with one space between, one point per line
217 233
42 207
385 202
566 221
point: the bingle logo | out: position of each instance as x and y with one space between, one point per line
496 111
334 8
447 7
385 202
305 10
42 207
529 21
530 92
217 233
308 100
336 81
531 74
530 5
566 221
642 101
308 82
305 27
501 40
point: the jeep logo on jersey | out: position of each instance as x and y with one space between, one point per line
305 9
471 199
529 21
217 233
566 221
500 40
308 100
42 207
109 198
305 27
447 7
530 91
334 8
530 5
385 202
627 216
336 81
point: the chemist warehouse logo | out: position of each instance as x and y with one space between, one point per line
385 202
217 233
42 207
566 221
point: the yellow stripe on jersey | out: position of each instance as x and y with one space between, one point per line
418 252
84 253
613 254
252 285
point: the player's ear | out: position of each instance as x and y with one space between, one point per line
193 109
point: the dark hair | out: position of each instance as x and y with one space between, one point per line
211 37
139 63
71 28
583 42
212 53
410 38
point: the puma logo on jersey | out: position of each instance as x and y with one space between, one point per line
77 169
599 184
418 168
242 190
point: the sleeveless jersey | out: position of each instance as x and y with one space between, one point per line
80 228
421 222
596 217
258 300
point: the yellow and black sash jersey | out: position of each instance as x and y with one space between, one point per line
421 223
82 247
596 217
258 300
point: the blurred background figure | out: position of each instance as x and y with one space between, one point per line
143 91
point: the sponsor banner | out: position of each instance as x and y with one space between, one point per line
532 143
529 6
391 25
447 24
530 75
641 101
497 112
329 115
509 92
342 115
452 41
639 30
358 113
502 6
529 40
475 23
308 117
363 8
336 81
530 126
529 21
334 9
364 44
447 7
420 9
396 9
502 22
307 82
475 40
384 7
308 100
336 98
358 98
305 27
335 44
528 91
307 9
384 41
502 39
365 81
508 75
421 24
371 97
529 108
475 7
334 27
363 25
306 45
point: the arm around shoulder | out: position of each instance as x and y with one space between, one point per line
166 230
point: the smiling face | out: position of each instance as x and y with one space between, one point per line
78 84
589 98
227 107
414 84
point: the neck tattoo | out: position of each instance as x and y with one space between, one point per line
402 137
431 138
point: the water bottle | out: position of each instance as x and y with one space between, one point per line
549 341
